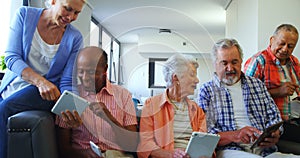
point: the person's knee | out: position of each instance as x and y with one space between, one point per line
4 114
7 108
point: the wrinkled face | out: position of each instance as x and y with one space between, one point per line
67 11
188 81
228 65
91 74
283 44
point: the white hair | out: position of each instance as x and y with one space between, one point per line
177 64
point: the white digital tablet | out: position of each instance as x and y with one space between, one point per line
95 148
202 144
70 101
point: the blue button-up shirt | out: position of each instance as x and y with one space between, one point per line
216 101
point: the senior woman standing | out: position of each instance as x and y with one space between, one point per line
168 119
40 56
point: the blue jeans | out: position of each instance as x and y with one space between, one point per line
26 99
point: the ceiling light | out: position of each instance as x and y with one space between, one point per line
164 31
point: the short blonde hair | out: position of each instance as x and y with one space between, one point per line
47 3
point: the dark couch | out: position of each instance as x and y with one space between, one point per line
31 134
286 143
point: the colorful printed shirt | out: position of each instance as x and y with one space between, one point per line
215 100
265 66
157 120
118 101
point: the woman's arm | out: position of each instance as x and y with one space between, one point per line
48 90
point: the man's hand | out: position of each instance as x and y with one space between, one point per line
245 135
101 110
71 119
270 141
88 153
248 134
288 88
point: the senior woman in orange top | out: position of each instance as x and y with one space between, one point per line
168 119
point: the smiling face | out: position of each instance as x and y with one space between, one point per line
90 70
282 45
66 11
228 65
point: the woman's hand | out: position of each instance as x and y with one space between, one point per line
48 90
180 153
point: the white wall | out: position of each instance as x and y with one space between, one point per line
242 24
136 69
83 23
270 16
253 22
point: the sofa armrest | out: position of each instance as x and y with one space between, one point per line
286 146
32 134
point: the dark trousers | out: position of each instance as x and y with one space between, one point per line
23 100
291 131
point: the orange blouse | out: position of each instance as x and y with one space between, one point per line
156 124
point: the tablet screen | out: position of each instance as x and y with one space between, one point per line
202 144
70 101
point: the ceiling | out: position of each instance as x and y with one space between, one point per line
136 21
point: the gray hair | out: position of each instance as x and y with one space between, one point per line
177 64
285 27
224 44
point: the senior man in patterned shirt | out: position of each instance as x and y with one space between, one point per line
238 107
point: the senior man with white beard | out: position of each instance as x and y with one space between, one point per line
238 107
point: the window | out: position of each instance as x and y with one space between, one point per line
99 36
106 46
4 25
4 28
94 33
115 62
156 79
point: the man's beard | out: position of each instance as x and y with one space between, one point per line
230 80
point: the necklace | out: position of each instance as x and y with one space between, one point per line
180 106
58 37
55 42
